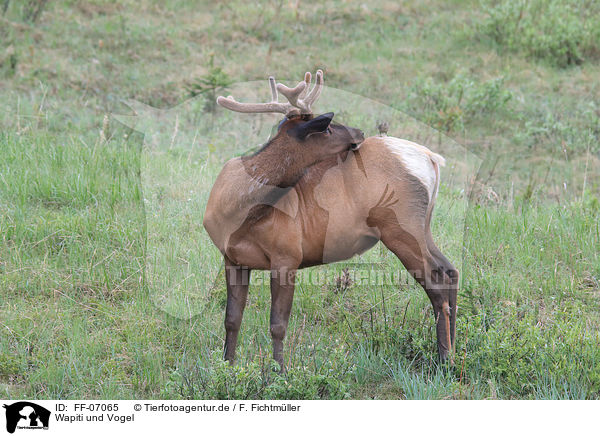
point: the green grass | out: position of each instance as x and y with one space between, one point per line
104 261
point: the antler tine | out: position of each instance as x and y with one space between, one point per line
307 80
273 89
293 94
316 91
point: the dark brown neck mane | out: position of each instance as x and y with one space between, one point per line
281 162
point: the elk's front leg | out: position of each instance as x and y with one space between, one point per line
282 295
238 279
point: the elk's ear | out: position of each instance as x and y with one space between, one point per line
316 125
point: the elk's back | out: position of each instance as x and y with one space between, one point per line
325 217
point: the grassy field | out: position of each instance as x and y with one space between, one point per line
104 263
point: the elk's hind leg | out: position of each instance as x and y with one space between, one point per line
238 280
429 272
429 268
447 279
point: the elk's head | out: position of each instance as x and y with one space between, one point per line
319 136
316 137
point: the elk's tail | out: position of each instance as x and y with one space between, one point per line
437 161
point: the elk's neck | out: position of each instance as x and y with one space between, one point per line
278 165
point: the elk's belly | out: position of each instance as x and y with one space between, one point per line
344 243
336 243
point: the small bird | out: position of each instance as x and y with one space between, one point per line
382 127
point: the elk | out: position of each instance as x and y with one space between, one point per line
316 193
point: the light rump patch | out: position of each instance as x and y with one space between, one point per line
417 159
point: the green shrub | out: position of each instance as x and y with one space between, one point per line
446 106
254 380
301 384
214 81
9 365
561 32
30 10
527 358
